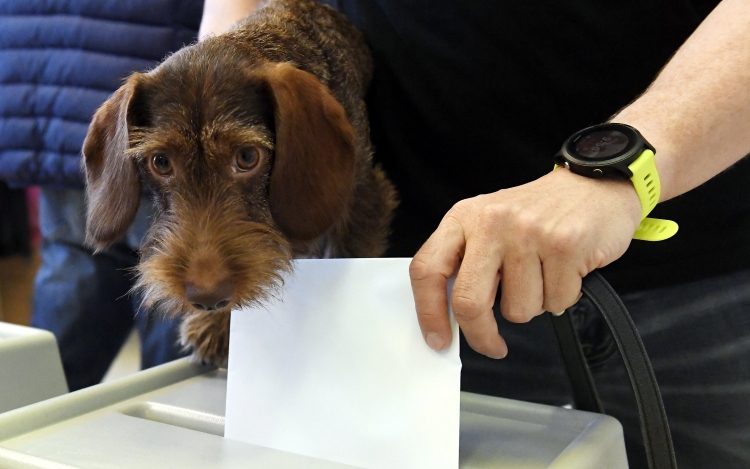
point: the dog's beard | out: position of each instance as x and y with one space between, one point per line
255 256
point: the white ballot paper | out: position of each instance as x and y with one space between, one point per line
336 368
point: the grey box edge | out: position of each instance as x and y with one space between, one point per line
58 409
20 346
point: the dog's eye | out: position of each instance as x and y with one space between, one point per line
248 158
161 164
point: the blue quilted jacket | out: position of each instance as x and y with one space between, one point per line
59 60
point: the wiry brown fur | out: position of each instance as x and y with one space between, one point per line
289 80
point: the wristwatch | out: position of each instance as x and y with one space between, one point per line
619 150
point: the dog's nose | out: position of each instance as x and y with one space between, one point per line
209 299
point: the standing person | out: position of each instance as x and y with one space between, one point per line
488 92
59 61
470 101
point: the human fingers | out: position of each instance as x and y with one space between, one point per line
562 284
522 286
429 271
474 294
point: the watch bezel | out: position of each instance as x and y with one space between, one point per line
617 164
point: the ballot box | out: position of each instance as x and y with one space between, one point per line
172 416
30 367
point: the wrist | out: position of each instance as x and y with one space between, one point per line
620 193
664 157
619 151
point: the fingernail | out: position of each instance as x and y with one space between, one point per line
434 340
558 314
501 355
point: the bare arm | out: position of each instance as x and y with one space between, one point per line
220 15
542 238
697 112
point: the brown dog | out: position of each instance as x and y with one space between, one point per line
256 149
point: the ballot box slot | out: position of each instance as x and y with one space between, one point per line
177 416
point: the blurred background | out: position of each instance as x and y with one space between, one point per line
19 252
19 260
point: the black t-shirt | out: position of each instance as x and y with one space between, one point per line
475 96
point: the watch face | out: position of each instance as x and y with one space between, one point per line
601 144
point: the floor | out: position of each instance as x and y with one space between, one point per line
16 284
16 287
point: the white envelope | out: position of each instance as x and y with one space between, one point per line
336 368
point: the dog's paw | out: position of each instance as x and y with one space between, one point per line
198 360
206 335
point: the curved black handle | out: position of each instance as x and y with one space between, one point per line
654 426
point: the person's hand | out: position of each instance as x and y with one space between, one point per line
539 239
219 16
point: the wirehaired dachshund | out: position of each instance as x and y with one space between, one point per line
255 148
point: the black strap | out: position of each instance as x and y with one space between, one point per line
654 426
585 396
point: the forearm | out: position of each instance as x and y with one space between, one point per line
697 111
220 15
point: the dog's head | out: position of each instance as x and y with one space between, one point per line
243 161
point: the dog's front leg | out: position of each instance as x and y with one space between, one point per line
206 334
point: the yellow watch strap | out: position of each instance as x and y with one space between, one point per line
655 229
648 187
646 181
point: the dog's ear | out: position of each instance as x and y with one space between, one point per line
113 187
313 173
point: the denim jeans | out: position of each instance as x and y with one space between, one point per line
84 299
698 338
